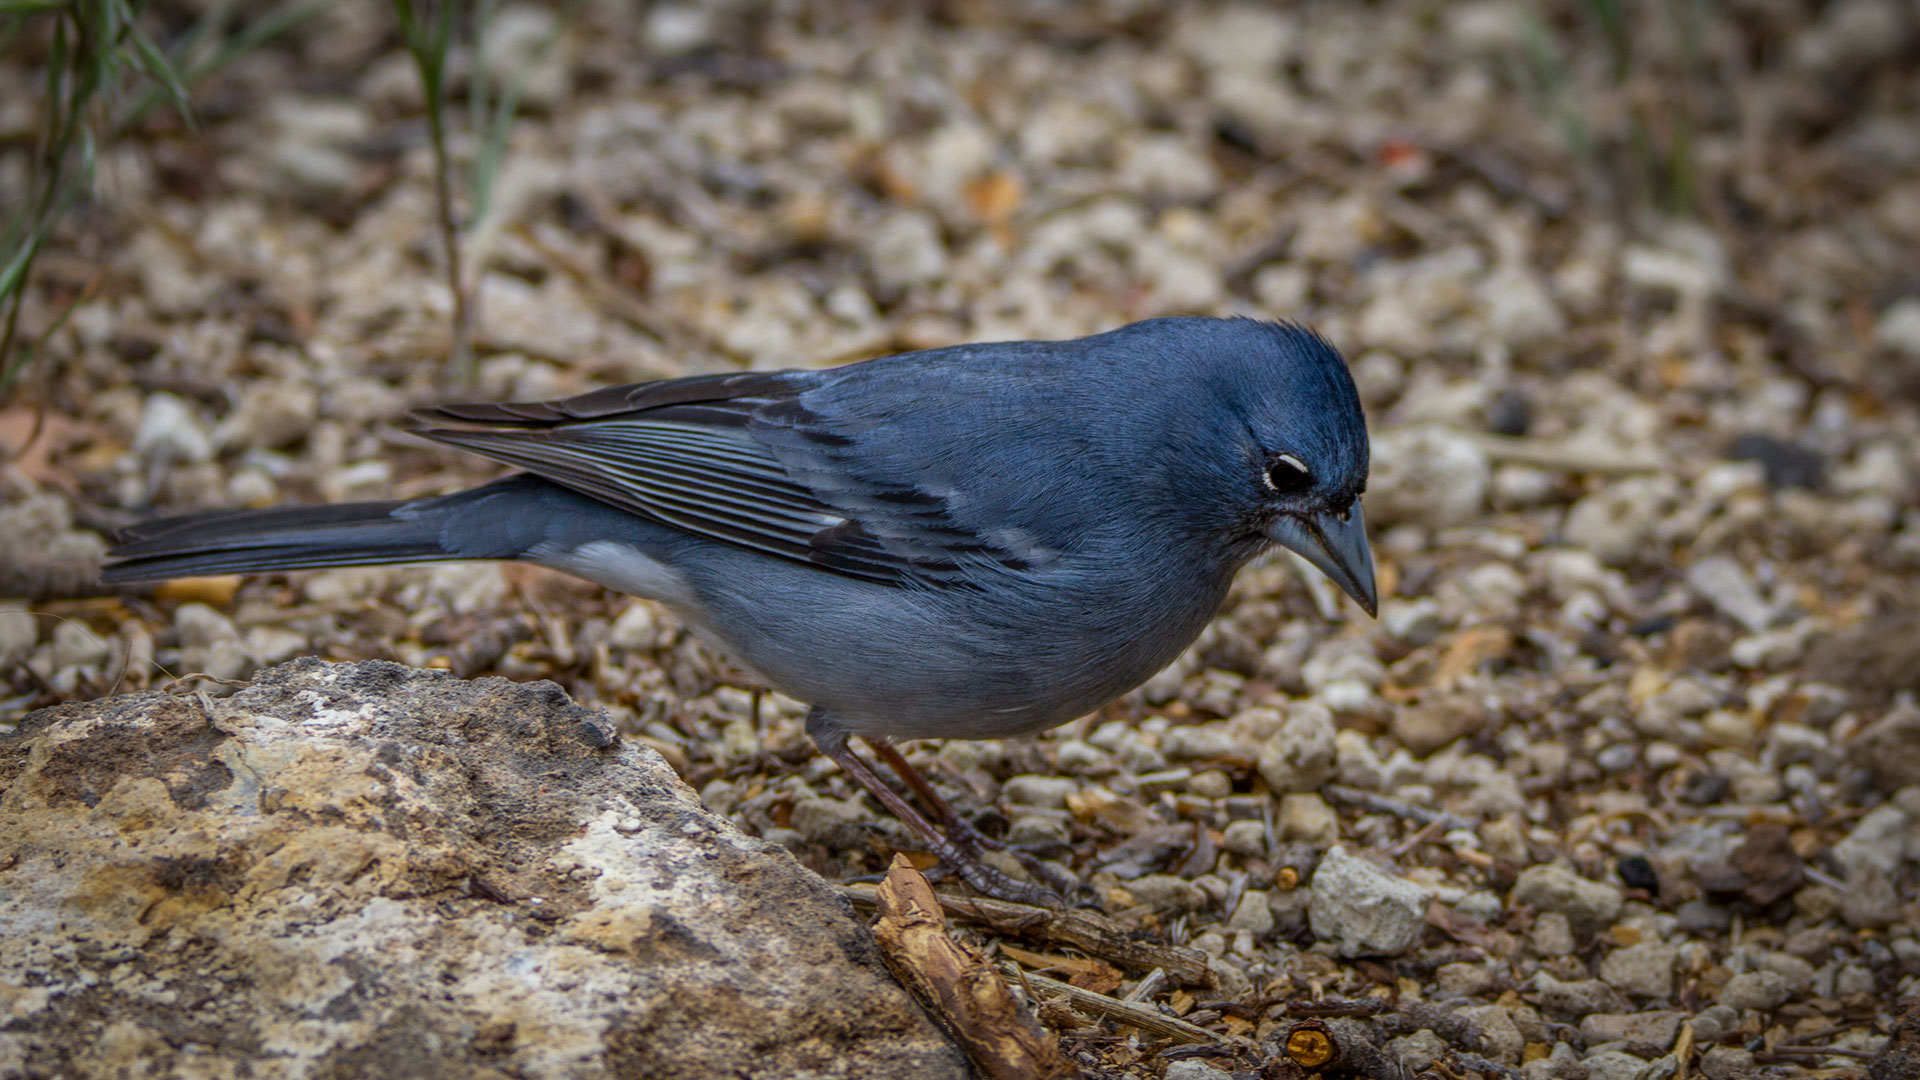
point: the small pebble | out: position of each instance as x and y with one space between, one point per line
1289 908
76 645
1164 892
1704 917
1726 1063
1552 935
1638 873
1617 523
906 250
1038 831
1648 1034
170 432
1211 784
1299 758
1252 914
1713 1022
1463 979
1362 909
1426 727
1589 905
1048 792
1614 1065
1244 838
1414 622
1418 1050
1644 970
19 632
1194 1070
1575 999
833 822
1561 1063
1761 990
1308 819
1504 1040
1427 476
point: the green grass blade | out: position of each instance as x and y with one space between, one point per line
409 30
15 272
154 62
206 29
477 26
493 133
196 59
255 34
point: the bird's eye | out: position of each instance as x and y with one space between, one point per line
1287 475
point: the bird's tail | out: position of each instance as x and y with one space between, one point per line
282 538
514 517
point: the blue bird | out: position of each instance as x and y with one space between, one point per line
971 542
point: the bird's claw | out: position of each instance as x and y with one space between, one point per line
992 882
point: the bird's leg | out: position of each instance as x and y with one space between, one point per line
959 829
832 740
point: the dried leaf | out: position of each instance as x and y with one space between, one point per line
1769 863
1081 971
1761 870
994 197
212 591
1473 647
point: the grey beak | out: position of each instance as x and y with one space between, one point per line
1337 546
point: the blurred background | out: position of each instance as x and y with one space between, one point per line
1631 289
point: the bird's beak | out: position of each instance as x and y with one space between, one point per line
1337 545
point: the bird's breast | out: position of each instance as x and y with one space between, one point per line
1001 659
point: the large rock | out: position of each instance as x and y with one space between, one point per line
362 869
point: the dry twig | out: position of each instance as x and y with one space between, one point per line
1138 1014
1569 455
1387 804
958 985
1088 931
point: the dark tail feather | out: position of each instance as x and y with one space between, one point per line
283 538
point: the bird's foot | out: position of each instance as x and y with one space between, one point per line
959 853
991 881
1050 874
956 828
962 832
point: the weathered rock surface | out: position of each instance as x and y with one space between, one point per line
368 870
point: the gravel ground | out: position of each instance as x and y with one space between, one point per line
1627 774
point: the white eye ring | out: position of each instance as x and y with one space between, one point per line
1290 462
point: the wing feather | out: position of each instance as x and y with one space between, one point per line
694 453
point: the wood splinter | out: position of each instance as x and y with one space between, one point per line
958 984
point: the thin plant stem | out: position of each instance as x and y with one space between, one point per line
462 354
430 46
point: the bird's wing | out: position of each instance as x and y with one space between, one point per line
737 458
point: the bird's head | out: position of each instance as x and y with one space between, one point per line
1294 463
